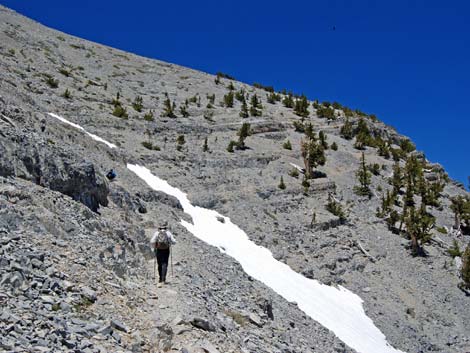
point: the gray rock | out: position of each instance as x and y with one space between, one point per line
118 326
203 324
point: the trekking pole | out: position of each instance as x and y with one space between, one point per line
171 260
154 267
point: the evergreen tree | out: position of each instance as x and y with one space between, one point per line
322 137
335 208
288 101
255 106
243 133
287 145
205 147
67 94
183 111
465 270
364 178
397 179
383 148
347 130
363 137
326 112
244 110
418 226
282 186
240 95
312 154
228 99
138 104
168 109
301 107
461 207
334 146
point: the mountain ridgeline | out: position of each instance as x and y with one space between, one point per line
332 192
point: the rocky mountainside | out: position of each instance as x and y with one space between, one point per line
76 271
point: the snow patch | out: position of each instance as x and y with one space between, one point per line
338 309
94 137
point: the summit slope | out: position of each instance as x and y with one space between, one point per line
76 279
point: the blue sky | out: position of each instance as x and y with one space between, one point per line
405 61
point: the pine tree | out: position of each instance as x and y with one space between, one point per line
168 109
281 185
243 133
240 95
183 111
301 107
461 207
397 179
418 226
465 270
288 101
255 106
364 177
335 208
347 130
205 147
312 154
228 99
322 137
244 110
138 104
287 145
363 137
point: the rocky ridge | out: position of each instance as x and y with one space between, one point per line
75 280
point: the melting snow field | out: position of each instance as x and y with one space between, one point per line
338 309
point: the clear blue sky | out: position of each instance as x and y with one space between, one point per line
408 62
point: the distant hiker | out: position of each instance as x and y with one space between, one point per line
111 175
161 243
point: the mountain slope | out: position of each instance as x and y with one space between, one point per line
414 301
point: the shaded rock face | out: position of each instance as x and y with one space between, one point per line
25 156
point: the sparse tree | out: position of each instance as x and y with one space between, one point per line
255 106
287 145
418 226
347 130
243 133
138 104
288 101
301 107
465 270
228 99
364 178
322 138
168 109
281 185
205 147
244 110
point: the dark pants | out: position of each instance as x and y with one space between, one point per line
162 260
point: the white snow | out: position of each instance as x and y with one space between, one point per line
338 309
94 137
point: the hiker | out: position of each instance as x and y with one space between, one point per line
111 174
161 243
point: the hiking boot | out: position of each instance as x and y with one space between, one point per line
160 284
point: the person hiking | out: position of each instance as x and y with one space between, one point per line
161 243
